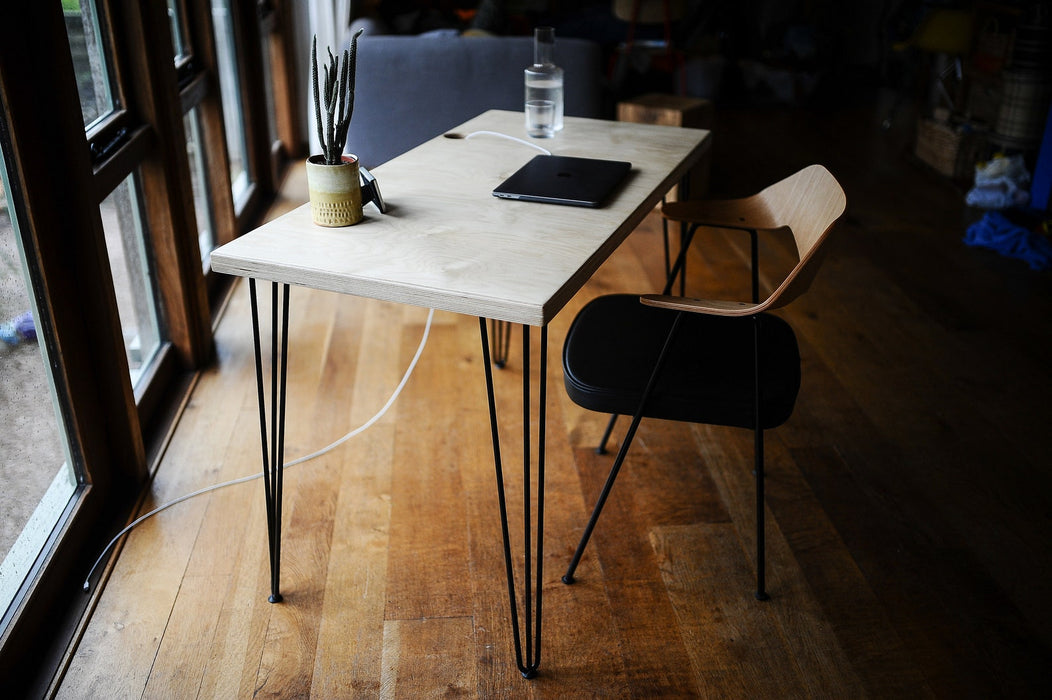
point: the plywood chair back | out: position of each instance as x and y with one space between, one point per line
808 203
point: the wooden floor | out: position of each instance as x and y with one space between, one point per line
908 501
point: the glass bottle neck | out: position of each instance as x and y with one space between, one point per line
543 45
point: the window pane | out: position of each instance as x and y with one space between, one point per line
230 87
37 479
175 18
199 181
88 43
132 269
268 85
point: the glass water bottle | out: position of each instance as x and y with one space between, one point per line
544 79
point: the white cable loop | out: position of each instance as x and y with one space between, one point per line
215 487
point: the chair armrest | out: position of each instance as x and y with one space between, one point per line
714 307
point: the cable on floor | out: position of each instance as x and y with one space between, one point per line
300 460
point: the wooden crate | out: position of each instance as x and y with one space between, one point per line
674 110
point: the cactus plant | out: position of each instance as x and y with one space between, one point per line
337 91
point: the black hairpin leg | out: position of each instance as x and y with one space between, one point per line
528 653
274 455
501 341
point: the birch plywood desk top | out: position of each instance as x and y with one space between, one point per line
447 243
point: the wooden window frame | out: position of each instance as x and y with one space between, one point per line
275 17
42 126
70 272
203 92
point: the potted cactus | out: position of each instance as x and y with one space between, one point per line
332 177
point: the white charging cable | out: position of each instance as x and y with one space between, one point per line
543 150
215 487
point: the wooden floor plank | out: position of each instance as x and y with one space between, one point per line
857 653
730 637
413 649
310 495
241 628
796 613
189 639
429 559
350 638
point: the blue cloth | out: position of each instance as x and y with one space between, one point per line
996 232
18 329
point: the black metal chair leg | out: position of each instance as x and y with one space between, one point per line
274 457
664 238
761 585
684 238
568 577
684 243
528 652
754 247
618 461
601 447
679 267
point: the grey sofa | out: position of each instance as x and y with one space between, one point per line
412 88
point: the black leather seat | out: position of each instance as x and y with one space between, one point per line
708 375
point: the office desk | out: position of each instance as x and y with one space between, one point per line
447 244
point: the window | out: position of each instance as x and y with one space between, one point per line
177 21
267 61
87 43
223 100
128 247
276 55
199 180
230 89
36 469
123 153
131 264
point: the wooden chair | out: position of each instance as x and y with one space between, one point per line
705 361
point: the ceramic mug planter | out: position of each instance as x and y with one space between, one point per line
335 191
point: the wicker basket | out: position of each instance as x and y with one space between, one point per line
950 150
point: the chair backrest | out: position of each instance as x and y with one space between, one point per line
808 202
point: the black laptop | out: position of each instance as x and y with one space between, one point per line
579 182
